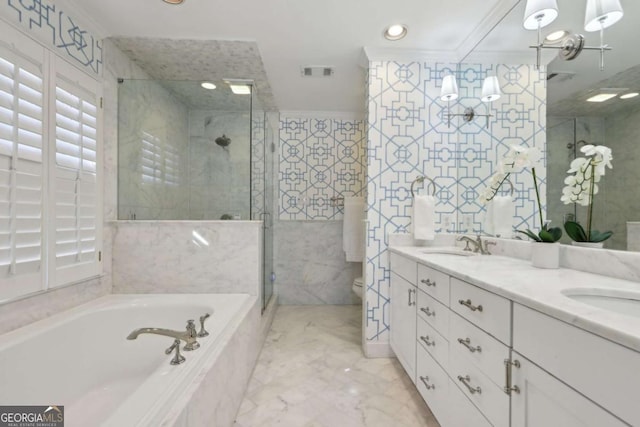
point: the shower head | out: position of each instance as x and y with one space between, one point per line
223 140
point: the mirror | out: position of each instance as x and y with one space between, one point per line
572 122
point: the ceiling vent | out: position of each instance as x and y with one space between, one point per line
560 76
316 71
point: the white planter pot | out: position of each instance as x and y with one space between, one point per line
597 245
545 255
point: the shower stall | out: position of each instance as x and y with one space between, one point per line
194 151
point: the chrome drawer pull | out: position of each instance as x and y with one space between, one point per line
426 384
427 342
465 380
467 343
410 303
509 387
470 306
428 282
427 311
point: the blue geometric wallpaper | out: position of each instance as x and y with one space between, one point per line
408 135
319 159
56 29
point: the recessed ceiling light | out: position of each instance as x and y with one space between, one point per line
629 95
240 89
556 36
601 97
208 85
395 32
174 1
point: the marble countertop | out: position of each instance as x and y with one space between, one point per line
540 289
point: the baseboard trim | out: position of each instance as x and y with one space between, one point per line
373 350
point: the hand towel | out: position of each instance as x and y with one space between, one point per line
499 217
353 229
424 217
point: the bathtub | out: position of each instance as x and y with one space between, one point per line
81 358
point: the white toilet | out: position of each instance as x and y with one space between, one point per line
357 286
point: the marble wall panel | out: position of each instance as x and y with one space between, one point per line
310 264
187 257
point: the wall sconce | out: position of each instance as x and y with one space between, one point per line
449 92
600 14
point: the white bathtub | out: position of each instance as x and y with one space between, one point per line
81 358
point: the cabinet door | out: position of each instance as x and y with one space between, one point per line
403 323
544 401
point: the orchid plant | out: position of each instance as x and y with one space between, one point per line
516 160
581 185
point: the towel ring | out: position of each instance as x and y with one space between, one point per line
496 191
421 179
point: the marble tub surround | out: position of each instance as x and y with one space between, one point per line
310 264
312 372
187 257
541 290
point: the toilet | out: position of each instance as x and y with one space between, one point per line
357 286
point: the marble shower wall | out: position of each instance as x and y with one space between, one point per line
219 180
153 152
408 136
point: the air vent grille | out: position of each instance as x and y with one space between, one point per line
316 71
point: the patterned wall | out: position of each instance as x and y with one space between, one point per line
408 136
319 159
51 25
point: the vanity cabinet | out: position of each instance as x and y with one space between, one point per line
403 312
479 359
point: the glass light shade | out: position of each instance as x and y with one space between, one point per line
490 89
449 90
602 14
543 11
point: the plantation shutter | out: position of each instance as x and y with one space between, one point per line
76 194
21 168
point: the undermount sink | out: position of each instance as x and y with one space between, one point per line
617 301
447 250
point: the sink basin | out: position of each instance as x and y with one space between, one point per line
617 301
447 250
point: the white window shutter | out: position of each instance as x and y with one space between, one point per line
22 130
76 194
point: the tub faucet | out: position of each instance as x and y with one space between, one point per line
188 336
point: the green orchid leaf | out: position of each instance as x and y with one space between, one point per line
551 235
597 237
575 231
530 234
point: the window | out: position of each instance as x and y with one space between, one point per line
49 180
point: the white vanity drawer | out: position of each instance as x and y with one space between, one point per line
433 342
436 314
488 311
434 282
605 372
462 412
433 384
404 267
492 401
483 350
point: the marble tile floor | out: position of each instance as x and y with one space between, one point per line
312 373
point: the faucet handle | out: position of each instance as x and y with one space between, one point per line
203 332
178 358
486 246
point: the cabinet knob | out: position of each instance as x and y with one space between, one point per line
470 306
427 342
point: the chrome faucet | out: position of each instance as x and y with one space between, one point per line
479 246
189 336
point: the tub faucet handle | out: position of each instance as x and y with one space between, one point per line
203 332
192 343
177 358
